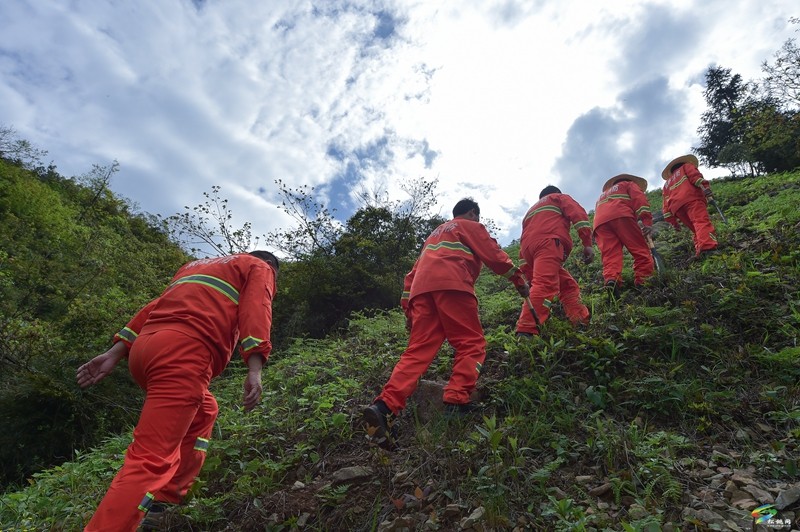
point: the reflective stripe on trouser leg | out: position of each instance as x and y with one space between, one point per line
193 454
694 215
162 361
147 502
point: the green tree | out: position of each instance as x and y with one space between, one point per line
720 134
752 129
770 136
381 242
76 263
335 271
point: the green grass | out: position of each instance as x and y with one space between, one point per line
710 350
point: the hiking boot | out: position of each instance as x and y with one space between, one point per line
523 334
458 410
153 518
379 423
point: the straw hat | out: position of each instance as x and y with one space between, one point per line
640 181
691 159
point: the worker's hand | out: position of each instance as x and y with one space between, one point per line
252 389
100 366
647 230
588 254
524 290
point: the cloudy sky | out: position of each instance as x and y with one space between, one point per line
494 99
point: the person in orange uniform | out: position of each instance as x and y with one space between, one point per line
174 346
544 246
616 215
686 196
439 302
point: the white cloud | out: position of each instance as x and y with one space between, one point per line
488 97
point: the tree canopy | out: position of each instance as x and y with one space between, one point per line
749 127
76 262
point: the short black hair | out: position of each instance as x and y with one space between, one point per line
676 166
464 206
549 189
267 257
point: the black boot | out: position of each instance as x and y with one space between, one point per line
380 425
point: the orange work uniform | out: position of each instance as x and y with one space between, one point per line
685 201
544 246
439 299
177 343
615 225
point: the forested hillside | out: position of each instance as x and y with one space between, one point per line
75 262
678 407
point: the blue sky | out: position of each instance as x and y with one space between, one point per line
495 99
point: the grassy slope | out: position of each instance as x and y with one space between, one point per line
707 356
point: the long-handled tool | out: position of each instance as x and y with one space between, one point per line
660 265
533 311
714 203
659 261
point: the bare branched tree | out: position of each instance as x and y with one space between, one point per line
17 150
206 229
316 230
97 180
783 75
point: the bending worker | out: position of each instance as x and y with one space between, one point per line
616 215
175 345
544 246
686 196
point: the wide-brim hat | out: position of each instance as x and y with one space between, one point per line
640 181
666 172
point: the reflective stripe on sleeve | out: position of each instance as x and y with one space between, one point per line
127 334
511 272
250 342
583 224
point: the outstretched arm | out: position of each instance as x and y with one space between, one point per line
101 366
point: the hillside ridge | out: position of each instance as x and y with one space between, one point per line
677 408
